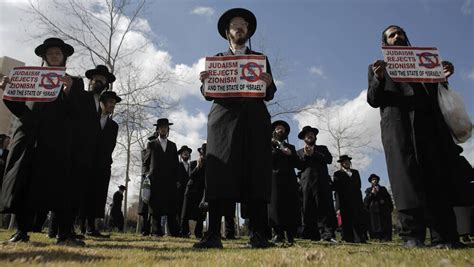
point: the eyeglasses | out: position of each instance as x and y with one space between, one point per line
237 25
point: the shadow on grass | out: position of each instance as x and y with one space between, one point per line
48 256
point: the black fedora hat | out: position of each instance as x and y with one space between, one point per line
101 70
122 187
202 149
109 94
162 121
307 129
373 175
183 148
225 19
282 123
344 157
54 42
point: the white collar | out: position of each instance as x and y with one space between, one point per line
240 51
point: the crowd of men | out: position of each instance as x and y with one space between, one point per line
284 192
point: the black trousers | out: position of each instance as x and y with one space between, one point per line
117 220
146 224
319 217
87 223
197 229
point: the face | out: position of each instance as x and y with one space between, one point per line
396 37
185 155
109 106
238 29
98 83
279 132
346 164
310 138
374 181
54 57
163 130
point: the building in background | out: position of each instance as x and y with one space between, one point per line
7 120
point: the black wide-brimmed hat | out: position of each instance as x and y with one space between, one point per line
247 15
183 148
344 157
202 149
282 123
122 187
373 175
101 70
109 94
162 121
307 129
40 51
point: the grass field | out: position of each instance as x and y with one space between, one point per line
133 250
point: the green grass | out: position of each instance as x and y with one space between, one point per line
133 250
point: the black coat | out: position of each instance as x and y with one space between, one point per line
380 207
98 187
194 194
419 149
142 207
238 159
349 195
283 208
183 178
38 171
3 162
116 205
162 168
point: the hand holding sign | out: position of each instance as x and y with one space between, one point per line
67 82
5 81
267 78
378 67
448 68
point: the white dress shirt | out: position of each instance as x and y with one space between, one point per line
163 142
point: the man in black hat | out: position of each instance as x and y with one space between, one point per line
238 142
184 171
347 185
283 213
419 150
318 207
116 214
161 167
87 130
379 204
40 158
97 187
194 195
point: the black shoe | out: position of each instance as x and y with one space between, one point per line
290 238
258 241
210 240
97 234
19 237
278 239
413 243
70 242
465 239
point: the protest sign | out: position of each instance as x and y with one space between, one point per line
37 84
235 76
413 64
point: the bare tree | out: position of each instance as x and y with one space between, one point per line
99 31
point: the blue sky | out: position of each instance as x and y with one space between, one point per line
323 49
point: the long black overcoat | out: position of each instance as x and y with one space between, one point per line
38 171
238 159
162 168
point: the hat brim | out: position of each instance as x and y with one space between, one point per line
117 98
341 160
156 124
372 177
68 50
302 133
225 19
109 76
183 149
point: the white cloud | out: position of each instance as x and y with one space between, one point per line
471 75
468 152
318 71
466 8
203 11
354 120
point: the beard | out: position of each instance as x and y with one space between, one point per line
401 42
238 40
98 88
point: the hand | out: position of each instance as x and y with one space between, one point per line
448 68
203 76
378 67
67 84
5 81
286 151
267 78
199 162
